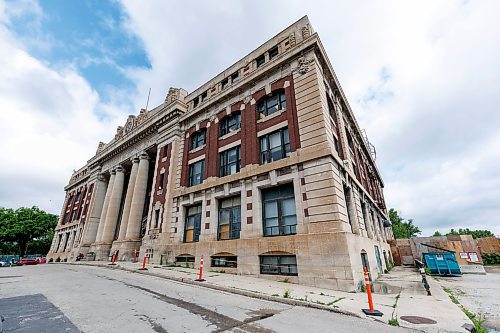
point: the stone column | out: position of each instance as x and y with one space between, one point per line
128 200
105 206
95 211
108 232
137 206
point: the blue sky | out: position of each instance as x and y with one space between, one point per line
87 35
421 77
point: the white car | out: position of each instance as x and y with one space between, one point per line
3 264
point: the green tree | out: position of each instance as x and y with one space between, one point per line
402 228
473 233
437 233
25 225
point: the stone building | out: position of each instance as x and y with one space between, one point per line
263 170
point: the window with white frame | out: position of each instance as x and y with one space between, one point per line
274 146
196 172
269 105
230 161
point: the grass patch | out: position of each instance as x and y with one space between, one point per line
394 322
287 293
450 294
285 280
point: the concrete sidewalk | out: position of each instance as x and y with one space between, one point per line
401 294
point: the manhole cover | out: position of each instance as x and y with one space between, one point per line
418 320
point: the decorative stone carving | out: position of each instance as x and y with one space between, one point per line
100 147
130 124
292 39
119 133
172 95
306 32
143 115
304 65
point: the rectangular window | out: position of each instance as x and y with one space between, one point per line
195 102
66 218
348 205
225 261
230 123
157 218
260 61
274 146
349 139
73 216
196 172
161 180
230 161
229 218
224 83
77 197
269 105
278 211
193 224
273 53
234 78
204 97
278 265
184 259
198 139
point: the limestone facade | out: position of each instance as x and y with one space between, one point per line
263 170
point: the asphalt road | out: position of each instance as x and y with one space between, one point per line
64 298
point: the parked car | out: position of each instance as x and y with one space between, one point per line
41 260
27 261
3 264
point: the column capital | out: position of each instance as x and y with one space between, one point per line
101 177
119 168
144 156
135 160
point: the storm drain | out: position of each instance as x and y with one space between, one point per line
418 320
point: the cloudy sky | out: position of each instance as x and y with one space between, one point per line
423 79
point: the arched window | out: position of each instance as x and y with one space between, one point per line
271 104
230 123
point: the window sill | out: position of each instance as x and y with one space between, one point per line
197 149
274 115
230 134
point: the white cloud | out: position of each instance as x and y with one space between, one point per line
48 125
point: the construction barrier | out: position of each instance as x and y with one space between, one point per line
371 311
200 277
144 263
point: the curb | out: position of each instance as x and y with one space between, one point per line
208 285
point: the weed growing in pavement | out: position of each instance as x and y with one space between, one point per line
320 303
285 280
287 293
275 294
450 293
394 322
322 294
477 320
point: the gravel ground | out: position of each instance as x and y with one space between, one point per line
479 294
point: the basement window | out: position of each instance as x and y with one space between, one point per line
278 265
225 261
